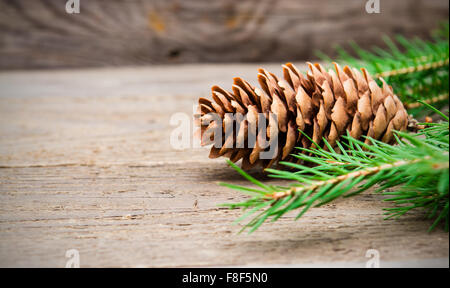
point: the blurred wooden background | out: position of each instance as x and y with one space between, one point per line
40 34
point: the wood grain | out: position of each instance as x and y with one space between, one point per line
40 34
86 164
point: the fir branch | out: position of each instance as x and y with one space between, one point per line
416 69
344 177
417 167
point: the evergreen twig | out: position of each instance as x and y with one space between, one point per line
417 69
417 166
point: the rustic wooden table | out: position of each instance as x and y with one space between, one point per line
86 164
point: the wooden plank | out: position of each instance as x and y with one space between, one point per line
40 34
86 164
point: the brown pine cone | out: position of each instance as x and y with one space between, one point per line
324 104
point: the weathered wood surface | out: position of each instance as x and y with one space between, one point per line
86 164
40 34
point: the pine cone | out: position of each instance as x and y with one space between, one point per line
324 104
